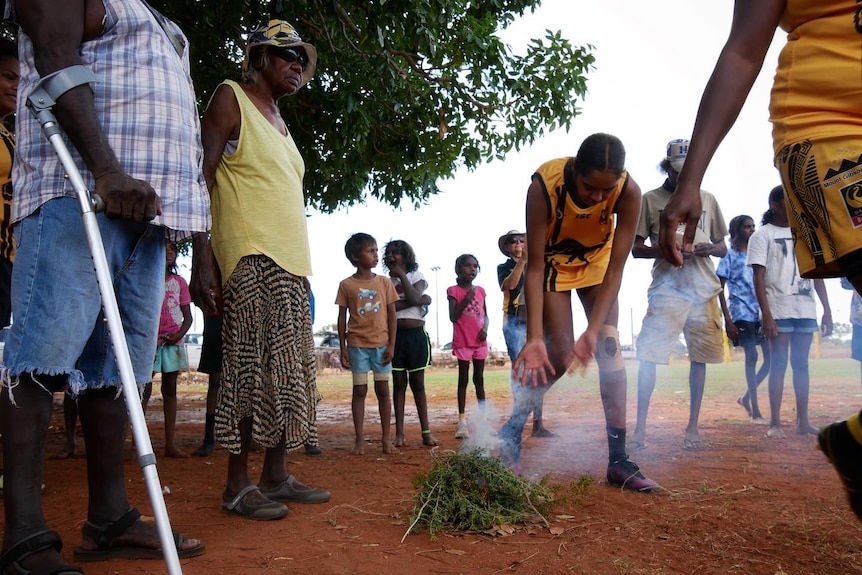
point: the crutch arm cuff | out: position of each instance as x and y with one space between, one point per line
54 85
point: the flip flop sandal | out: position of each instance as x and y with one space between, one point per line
635 445
263 512
103 537
692 444
33 544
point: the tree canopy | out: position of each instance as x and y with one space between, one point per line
406 91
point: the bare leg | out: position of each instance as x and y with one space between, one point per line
479 380
696 384
463 380
646 385
778 367
399 395
357 408
417 386
70 422
384 404
169 407
208 444
25 429
800 345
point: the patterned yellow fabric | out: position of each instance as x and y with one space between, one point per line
818 88
579 240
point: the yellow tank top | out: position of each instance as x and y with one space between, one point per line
579 240
257 201
817 92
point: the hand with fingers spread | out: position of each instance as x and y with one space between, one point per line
533 364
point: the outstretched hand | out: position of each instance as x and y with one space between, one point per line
532 365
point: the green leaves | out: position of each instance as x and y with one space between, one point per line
406 91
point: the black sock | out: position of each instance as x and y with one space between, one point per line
209 429
616 444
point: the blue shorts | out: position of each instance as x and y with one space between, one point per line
170 359
856 343
58 324
365 359
750 334
797 325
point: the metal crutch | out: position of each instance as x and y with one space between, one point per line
41 102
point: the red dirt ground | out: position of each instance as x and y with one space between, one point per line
745 504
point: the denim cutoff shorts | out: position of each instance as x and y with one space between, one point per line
58 325
365 359
796 325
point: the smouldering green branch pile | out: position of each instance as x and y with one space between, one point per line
474 492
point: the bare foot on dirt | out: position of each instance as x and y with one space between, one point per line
400 441
358 448
428 439
175 453
806 429
388 448
759 421
776 432
745 403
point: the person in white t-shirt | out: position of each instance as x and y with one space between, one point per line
788 309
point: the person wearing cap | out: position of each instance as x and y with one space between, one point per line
681 300
814 110
149 175
259 238
510 276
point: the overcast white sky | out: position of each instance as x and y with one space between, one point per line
652 62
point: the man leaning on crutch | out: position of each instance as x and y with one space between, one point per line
133 135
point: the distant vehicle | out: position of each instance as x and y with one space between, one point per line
330 340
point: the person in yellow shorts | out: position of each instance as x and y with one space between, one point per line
817 140
581 218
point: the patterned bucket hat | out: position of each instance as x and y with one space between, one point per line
281 34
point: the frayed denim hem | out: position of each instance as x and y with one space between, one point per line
76 382
10 380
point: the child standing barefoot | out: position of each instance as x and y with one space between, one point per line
469 315
368 337
412 345
176 319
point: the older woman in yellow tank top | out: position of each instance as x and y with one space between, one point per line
254 171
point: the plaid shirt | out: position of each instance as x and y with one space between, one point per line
146 104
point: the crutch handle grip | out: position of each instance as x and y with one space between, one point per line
98 203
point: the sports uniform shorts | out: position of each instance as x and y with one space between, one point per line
823 193
412 349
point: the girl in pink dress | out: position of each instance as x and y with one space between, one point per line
469 343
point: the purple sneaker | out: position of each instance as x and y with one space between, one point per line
626 474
